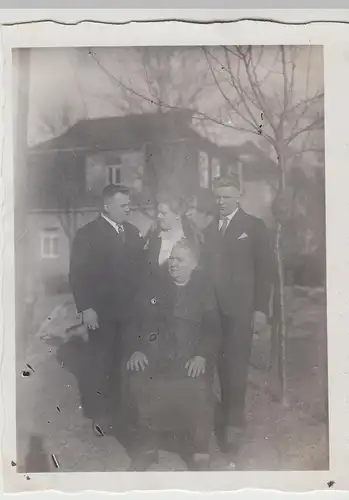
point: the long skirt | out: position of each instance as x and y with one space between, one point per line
171 402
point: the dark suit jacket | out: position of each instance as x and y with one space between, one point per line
244 274
172 324
104 270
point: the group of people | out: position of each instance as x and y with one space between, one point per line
165 312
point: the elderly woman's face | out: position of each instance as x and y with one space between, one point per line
181 264
166 218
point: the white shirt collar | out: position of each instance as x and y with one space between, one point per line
116 226
229 217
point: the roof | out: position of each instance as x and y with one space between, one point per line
120 132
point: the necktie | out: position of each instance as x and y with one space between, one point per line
225 222
121 232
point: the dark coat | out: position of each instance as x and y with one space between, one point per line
105 270
210 250
244 275
172 324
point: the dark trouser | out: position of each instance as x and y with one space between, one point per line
233 361
102 384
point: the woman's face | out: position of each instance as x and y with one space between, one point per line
181 264
167 219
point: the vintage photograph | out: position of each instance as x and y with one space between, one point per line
170 259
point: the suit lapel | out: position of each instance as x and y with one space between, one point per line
111 234
236 226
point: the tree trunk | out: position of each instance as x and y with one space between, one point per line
282 328
274 340
280 287
69 223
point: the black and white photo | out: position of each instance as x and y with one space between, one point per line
170 259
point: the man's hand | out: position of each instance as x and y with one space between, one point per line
138 361
196 366
259 322
90 319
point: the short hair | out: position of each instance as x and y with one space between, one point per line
231 181
206 202
190 245
112 189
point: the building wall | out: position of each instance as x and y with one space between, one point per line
45 271
46 274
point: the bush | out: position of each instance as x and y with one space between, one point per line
304 270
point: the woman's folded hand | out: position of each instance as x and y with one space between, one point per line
138 361
196 366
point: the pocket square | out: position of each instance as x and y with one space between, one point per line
243 236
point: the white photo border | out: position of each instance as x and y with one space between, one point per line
332 37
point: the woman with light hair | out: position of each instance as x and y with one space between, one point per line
172 346
172 225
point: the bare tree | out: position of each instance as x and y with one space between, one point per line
262 93
268 101
66 197
64 192
161 77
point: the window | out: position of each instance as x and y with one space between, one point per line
216 169
113 167
50 243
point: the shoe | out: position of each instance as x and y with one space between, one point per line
144 460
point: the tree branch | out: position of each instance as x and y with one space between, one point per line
280 127
315 125
254 84
196 114
253 122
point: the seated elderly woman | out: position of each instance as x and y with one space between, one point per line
172 347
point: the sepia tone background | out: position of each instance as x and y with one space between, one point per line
154 118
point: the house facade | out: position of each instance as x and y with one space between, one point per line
150 153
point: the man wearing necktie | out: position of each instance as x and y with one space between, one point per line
105 268
243 287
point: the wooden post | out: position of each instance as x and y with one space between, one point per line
22 61
282 330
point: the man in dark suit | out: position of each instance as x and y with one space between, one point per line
243 287
105 268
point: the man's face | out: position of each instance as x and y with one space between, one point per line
181 264
227 198
118 207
